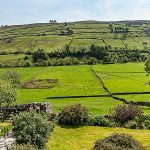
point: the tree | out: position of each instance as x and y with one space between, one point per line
39 55
7 93
98 52
52 21
32 128
67 48
65 24
110 27
13 77
147 66
69 31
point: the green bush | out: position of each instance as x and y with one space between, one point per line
1 65
8 93
131 125
124 113
101 121
147 121
32 128
147 124
118 142
100 145
39 55
12 77
73 115
140 120
27 64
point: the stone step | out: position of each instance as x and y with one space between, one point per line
6 143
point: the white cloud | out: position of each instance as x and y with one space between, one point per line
28 11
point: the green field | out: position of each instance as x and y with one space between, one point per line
122 78
64 138
80 81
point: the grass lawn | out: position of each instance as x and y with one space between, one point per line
83 138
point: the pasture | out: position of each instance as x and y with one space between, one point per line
80 81
124 78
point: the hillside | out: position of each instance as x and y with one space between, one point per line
19 40
47 36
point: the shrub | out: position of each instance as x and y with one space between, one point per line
140 120
13 77
53 117
28 64
101 121
32 128
39 55
146 120
118 142
92 61
1 65
24 147
124 113
73 115
100 145
50 63
26 58
7 93
131 125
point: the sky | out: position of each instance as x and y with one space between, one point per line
38 11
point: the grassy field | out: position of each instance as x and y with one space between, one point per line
83 138
122 78
80 81
72 81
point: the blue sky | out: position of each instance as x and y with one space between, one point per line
33 11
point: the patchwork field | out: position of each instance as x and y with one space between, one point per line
47 36
80 81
